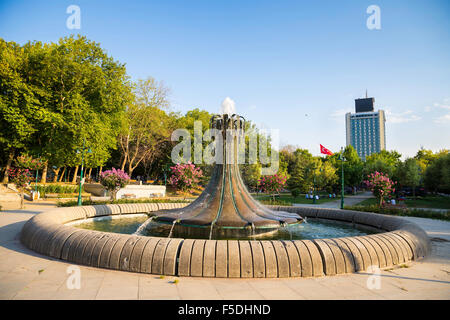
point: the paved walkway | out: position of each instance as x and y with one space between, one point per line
27 275
336 204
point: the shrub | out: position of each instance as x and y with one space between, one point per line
381 186
28 162
272 184
185 177
113 180
431 214
295 192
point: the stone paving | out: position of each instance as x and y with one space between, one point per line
27 275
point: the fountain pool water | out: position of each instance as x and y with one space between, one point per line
314 229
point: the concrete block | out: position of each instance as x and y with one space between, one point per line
98 250
114 257
364 254
147 255
271 259
316 258
184 265
89 249
158 256
197 258
390 247
338 256
246 259
387 253
374 261
221 259
234 260
59 239
127 250
259 269
306 266
393 243
349 261
81 248
170 257
379 251
136 254
282 259
327 257
209 258
294 259
106 251
71 243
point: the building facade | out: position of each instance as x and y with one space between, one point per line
366 128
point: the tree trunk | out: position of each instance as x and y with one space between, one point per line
55 178
62 175
68 172
124 162
130 170
44 175
21 199
89 174
74 179
8 166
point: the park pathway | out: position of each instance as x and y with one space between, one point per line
336 204
25 274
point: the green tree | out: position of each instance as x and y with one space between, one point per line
383 161
437 174
353 167
147 126
409 174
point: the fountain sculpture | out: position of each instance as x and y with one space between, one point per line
225 209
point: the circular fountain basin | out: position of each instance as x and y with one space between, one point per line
312 229
398 241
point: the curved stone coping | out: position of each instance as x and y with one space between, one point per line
401 241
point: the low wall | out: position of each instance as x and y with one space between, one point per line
399 241
139 191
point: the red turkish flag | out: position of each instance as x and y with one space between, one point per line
325 150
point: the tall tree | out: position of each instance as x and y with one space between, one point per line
147 126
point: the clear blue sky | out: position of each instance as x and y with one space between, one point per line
296 66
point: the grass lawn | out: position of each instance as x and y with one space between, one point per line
288 198
434 202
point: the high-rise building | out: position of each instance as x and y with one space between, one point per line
366 128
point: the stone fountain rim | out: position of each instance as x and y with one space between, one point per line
399 242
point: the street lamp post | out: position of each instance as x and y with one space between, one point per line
342 178
314 186
81 172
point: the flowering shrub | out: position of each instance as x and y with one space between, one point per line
113 180
272 184
185 177
21 178
27 161
381 186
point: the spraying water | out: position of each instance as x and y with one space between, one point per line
228 107
210 232
253 230
143 226
171 229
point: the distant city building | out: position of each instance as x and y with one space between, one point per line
366 128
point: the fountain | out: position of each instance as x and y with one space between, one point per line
226 204
224 211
